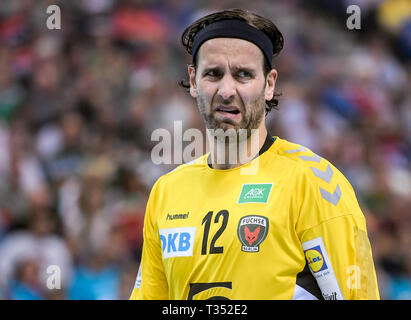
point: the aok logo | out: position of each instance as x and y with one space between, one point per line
177 242
255 193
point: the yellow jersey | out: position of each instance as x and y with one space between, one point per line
291 230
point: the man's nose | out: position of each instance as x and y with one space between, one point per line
227 89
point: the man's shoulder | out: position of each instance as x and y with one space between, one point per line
317 168
319 174
298 154
186 169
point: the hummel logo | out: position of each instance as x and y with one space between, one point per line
177 216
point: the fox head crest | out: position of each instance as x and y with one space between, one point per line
251 237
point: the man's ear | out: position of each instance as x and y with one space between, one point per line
270 84
192 79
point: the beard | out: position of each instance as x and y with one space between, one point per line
250 120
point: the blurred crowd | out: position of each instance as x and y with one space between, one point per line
78 106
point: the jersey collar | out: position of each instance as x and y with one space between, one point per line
269 140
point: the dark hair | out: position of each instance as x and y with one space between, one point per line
254 20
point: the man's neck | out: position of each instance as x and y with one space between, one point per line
236 152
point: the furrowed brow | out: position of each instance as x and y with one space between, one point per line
214 69
243 68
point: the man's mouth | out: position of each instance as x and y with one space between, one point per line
227 110
227 114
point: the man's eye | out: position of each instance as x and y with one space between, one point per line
212 73
244 74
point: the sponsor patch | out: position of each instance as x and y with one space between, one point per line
252 230
320 266
315 259
177 242
332 296
255 193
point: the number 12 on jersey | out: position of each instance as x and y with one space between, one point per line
207 224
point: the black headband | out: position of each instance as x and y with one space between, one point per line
234 28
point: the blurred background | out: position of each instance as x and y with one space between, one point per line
78 106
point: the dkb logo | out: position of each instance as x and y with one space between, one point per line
177 242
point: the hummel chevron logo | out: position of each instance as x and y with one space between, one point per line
314 158
331 197
327 176
324 175
301 149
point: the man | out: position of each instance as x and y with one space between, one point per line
289 229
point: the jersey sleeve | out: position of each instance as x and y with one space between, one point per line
333 233
151 282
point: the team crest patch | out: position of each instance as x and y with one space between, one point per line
252 230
